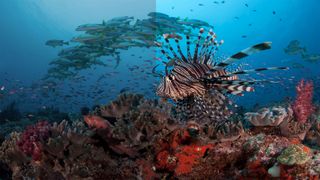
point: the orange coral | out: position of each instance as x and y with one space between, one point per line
295 141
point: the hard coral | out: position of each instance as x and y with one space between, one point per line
294 129
123 104
269 116
30 140
303 107
294 154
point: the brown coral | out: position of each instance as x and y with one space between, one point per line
123 104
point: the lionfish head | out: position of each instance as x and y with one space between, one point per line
183 80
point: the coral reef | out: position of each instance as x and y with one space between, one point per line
145 141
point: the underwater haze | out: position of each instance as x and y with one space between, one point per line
203 66
27 25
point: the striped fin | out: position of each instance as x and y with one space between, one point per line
188 47
216 82
252 70
195 55
171 49
156 73
163 51
244 53
205 46
238 88
179 50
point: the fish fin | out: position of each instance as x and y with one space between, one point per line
170 48
195 55
188 48
241 72
244 53
156 73
179 50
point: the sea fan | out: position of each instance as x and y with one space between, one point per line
198 83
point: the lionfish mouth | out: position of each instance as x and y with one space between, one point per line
195 75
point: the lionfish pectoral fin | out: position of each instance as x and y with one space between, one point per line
244 53
156 73
242 72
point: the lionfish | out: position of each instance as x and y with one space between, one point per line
198 83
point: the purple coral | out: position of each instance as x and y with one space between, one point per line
30 140
303 107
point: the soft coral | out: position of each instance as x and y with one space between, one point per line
30 140
303 107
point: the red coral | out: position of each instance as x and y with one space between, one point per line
189 156
166 161
30 140
303 107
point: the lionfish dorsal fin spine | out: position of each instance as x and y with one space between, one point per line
171 49
163 51
188 48
195 55
180 51
205 45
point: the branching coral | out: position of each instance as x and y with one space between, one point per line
123 104
141 126
303 107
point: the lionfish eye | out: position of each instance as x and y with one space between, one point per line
170 77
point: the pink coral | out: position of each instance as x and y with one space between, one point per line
30 140
303 107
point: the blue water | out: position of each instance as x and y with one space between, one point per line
27 25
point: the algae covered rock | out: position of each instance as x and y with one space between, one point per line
294 155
